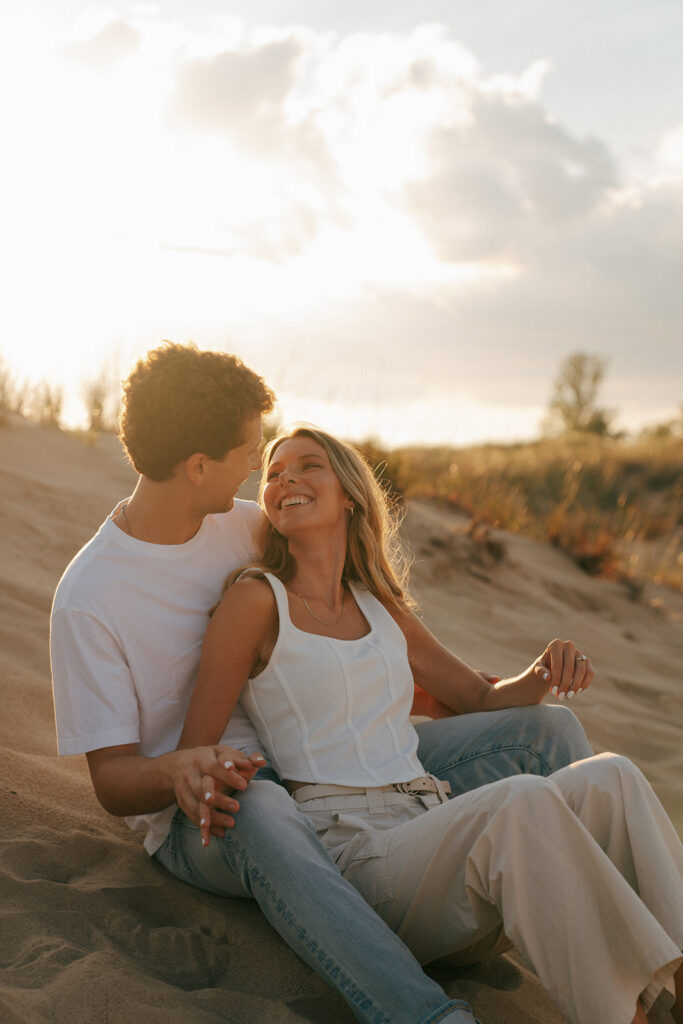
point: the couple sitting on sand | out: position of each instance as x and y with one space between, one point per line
347 838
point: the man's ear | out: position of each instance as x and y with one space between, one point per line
195 468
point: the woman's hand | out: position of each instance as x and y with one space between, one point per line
563 669
205 779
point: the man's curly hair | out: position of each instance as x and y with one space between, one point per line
178 400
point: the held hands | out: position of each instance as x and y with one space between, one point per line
563 669
204 781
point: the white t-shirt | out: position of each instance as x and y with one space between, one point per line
337 711
128 620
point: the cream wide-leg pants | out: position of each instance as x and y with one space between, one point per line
582 870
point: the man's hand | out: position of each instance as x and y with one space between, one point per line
205 779
127 783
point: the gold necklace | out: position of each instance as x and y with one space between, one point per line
317 617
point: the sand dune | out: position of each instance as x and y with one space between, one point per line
91 930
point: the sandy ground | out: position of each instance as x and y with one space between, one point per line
91 930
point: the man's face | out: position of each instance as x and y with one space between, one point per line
226 475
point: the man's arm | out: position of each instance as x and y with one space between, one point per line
126 783
96 708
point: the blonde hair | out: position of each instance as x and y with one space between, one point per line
375 556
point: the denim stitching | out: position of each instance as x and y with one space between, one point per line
446 1010
490 750
343 982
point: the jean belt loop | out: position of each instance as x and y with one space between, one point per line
375 800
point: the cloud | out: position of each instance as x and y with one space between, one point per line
595 259
670 153
376 200
247 96
477 164
609 284
113 43
501 178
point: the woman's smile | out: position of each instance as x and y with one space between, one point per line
295 499
300 474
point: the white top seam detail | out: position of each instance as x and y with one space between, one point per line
357 741
393 696
318 693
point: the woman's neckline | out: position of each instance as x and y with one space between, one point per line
326 636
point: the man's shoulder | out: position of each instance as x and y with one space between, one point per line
110 562
243 511
244 517
79 567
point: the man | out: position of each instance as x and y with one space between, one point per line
127 626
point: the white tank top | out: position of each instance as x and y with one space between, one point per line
336 711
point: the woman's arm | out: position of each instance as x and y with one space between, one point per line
453 683
240 637
241 629
425 704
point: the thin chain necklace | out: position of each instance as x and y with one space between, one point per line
123 513
317 617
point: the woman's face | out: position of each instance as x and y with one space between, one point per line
302 489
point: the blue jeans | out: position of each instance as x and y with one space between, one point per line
273 855
471 750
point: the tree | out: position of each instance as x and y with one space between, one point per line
573 405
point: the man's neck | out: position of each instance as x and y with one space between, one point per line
157 514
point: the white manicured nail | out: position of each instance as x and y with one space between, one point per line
554 691
207 795
570 695
560 696
580 689
227 764
203 822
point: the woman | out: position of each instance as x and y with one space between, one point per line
581 872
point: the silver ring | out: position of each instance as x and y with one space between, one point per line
581 657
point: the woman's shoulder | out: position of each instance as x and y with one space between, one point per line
250 595
254 585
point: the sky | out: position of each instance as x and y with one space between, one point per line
403 214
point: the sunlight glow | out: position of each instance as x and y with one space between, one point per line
149 202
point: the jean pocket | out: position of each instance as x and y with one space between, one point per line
364 863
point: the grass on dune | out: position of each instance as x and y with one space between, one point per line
615 506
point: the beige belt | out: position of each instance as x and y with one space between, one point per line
303 791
